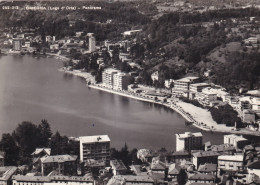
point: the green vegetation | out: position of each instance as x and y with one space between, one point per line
226 115
19 145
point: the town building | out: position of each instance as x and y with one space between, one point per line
6 174
95 147
180 156
208 168
108 77
91 43
131 179
203 157
118 167
113 78
182 86
197 87
189 141
233 163
168 83
254 168
17 44
155 76
236 141
174 172
201 178
52 180
63 164
121 81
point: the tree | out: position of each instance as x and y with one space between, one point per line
8 145
45 133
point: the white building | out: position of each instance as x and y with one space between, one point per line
92 43
108 77
155 76
231 162
197 87
121 81
95 147
52 180
167 83
235 140
189 141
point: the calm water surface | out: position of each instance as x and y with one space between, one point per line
33 89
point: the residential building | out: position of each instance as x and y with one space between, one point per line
203 157
108 77
131 179
201 178
63 164
197 87
231 163
118 167
236 141
208 168
206 96
254 168
6 174
248 116
38 154
52 180
155 76
168 83
226 149
183 84
95 147
17 44
121 81
173 172
91 43
189 141
2 158
180 156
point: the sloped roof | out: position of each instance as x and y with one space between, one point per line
7 172
254 165
158 166
202 176
174 169
39 150
59 158
206 168
205 154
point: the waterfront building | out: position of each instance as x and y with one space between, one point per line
52 180
108 77
189 141
113 78
237 141
203 157
197 87
168 83
183 84
118 167
63 164
121 81
17 44
233 163
206 96
6 174
95 147
91 43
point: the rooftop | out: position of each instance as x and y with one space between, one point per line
117 165
58 158
207 168
205 154
200 84
50 178
202 176
187 79
6 172
236 137
189 134
231 158
39 150
94 139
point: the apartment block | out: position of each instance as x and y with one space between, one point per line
95 147
189 141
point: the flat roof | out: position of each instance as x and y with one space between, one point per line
189 134
94 139
231 158
199 84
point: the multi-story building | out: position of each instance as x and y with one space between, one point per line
197 87
231 163
6 174
17 45
91 43
236 141
204 157
189 141
108 77
52 180
63 164
113 78
206 96
183 84
121 81
95 147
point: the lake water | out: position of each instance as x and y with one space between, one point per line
32 89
